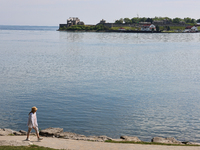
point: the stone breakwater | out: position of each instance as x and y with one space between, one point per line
59 133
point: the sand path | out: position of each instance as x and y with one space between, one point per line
86 145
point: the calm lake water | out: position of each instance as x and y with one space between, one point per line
112 84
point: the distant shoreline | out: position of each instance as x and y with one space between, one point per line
125 31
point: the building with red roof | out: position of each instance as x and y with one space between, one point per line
148 27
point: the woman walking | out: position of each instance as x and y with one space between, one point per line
32 123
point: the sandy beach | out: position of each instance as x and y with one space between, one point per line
68 144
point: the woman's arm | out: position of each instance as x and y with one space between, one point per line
32 120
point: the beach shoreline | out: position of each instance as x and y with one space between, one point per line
60 143
59 134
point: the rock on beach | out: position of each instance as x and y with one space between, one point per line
129 138
51 131
168 140
58 133
6 132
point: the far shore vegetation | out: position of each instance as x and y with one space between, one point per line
163 24
86 28
170 20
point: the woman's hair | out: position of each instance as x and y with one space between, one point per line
33 109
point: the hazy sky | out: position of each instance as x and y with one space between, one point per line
54 12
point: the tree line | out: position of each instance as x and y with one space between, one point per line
86 28
167 19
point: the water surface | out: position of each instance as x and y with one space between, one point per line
112 84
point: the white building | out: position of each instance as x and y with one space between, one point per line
191 29
148 27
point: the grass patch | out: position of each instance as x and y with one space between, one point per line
172 29
31 147
126 28
11 134
147 143
177 28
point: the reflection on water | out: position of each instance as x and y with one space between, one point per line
130 38
110 84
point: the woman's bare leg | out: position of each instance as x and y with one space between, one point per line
37 132
28 133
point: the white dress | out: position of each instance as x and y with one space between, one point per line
32 120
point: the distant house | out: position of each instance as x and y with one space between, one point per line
191 29
74 21
102 21
143 23
181 22
158 22
148 27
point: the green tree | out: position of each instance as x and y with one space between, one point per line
168 19
158 18
198 20
77 27
134 20
155 18
120 21
157 28
87 28
142 19
149 20
101 27
187 20
193 21
127 21
177 20
63 28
